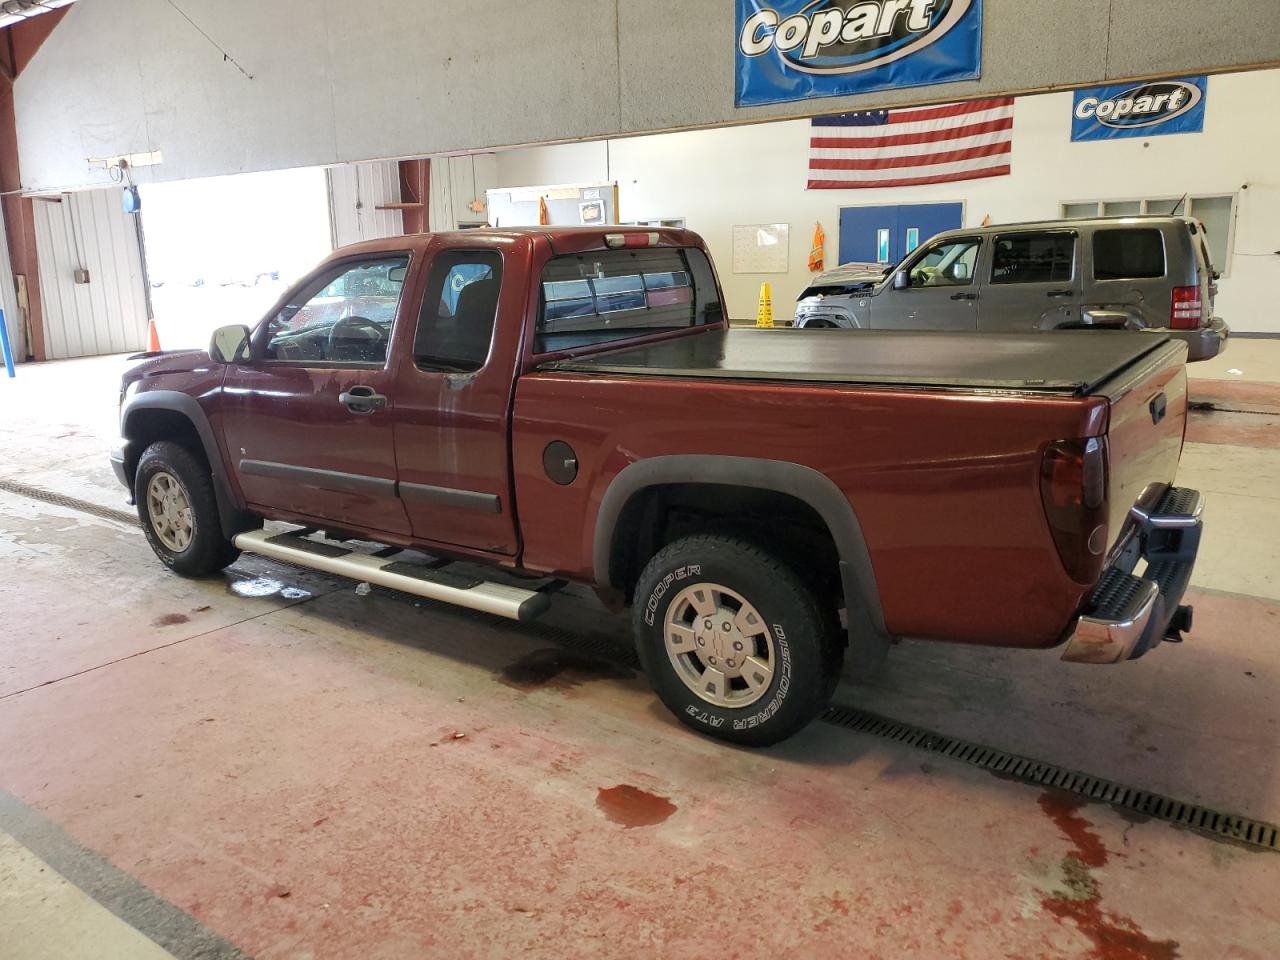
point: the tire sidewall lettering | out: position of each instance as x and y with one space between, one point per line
784 684
660 591
704 717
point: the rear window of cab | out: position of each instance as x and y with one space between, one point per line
609 295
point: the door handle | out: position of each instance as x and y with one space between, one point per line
362 399
1060 293
964 296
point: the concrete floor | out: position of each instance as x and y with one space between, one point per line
268 763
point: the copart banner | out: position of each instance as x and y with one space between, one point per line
1145 109
797 49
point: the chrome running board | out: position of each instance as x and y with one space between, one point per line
514 603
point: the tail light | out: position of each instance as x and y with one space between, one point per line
1187 308
1073 488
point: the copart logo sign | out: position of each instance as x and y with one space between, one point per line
1139 110
796 49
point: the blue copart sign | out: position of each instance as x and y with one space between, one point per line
1145 109
797 49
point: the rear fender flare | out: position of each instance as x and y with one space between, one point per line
862 597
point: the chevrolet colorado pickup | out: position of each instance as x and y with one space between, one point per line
570 405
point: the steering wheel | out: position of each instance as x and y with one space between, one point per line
923 276
352 328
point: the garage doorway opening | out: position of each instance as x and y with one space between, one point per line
223 249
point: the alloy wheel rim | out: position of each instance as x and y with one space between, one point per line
719 645
169 508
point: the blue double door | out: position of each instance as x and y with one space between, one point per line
886 234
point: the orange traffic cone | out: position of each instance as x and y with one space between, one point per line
153 338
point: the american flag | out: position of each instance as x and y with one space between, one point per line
911 146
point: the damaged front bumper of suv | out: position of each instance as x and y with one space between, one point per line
1127 614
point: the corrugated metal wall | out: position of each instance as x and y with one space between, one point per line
457 182
355 190
108 314
9 300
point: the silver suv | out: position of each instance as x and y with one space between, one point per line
1133 273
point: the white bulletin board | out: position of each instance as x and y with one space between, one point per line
567 204
761 247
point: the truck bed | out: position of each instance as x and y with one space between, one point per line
1069 362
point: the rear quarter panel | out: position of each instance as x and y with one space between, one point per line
944 485
1147 300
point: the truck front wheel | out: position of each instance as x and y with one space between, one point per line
179 511
733 641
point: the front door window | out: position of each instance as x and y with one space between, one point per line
342 318
947 264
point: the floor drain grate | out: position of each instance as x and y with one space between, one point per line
71 503
1203 820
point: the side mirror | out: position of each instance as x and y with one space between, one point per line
230 344
901 280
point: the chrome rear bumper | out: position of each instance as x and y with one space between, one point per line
1126 615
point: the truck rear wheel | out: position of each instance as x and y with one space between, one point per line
733 641
179 511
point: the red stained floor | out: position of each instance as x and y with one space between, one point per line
309 782
1239 429
1236 394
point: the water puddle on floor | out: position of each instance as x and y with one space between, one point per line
257 587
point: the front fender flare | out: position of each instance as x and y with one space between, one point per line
231 511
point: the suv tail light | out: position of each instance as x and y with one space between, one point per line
1187 308
1073 488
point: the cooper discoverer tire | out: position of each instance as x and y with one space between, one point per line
179 511
733 641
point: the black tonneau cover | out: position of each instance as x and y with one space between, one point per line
1068 361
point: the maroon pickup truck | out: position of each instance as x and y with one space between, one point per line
570 405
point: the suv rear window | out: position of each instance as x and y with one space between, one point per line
607 295
1033 258
1127 254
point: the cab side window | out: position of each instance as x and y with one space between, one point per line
342 318
455 327
1033 258
947 264
1124 254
